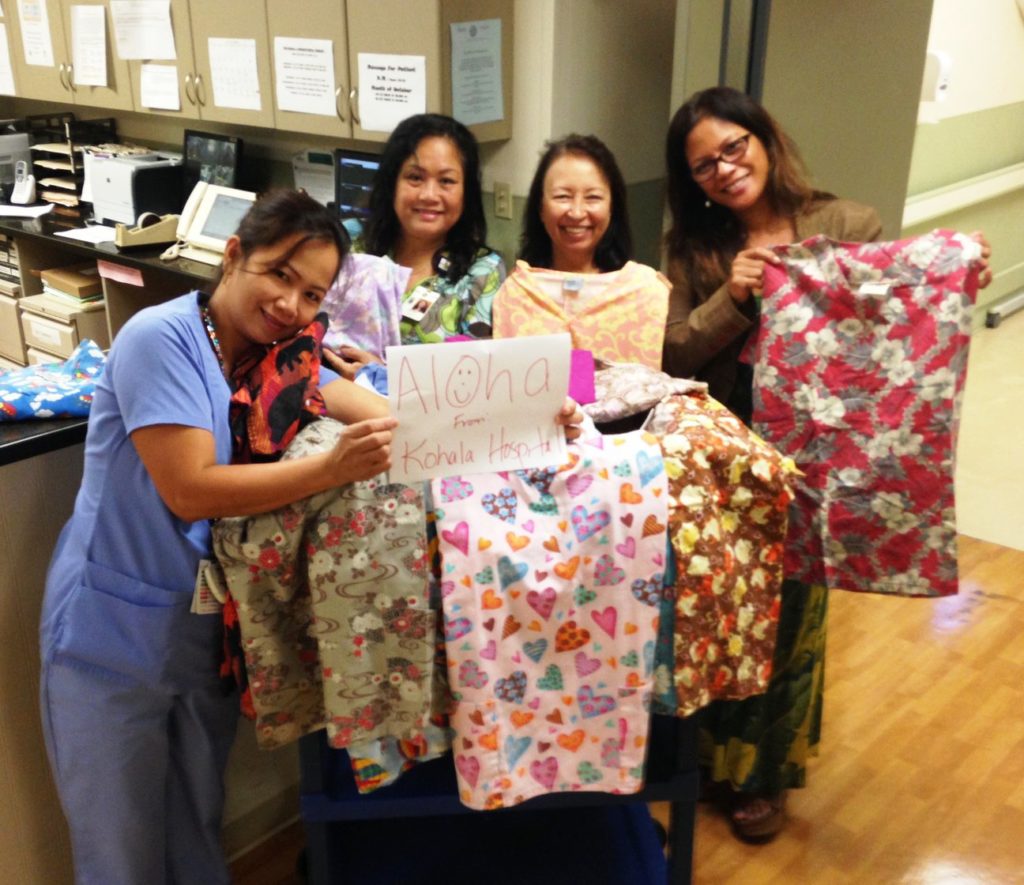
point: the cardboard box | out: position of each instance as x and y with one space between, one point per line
35 357
80 280
12 342
53 325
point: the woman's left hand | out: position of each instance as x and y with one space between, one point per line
570 417
985 272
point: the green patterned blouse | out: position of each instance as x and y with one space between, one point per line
463 308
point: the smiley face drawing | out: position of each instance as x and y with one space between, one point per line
463 382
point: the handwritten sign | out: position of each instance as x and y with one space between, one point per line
477 406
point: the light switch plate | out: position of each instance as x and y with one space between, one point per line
502 200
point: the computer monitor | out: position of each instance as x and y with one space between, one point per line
211 158
354 172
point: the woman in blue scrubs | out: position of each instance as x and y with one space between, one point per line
137 725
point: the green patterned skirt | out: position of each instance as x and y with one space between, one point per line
761 744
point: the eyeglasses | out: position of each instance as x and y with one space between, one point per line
731 153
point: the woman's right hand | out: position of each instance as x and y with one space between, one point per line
747 272
347 361
363 450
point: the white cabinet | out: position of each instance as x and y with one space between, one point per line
51 24
391 27
193 25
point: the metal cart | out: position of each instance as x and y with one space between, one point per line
416 832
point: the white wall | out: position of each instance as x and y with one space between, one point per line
844 80
985 41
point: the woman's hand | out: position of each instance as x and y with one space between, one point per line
347 361
363 450
984 272
570 417
747 272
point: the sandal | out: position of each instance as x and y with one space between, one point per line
715 792
758 817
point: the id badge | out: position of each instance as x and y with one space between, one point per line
420 300
204 600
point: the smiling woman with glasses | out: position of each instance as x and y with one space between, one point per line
736 187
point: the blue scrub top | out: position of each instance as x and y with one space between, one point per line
125 566
121 580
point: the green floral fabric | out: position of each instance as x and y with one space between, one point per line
762 744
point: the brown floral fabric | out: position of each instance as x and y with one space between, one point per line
334 609
729 494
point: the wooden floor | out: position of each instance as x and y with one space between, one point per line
921 773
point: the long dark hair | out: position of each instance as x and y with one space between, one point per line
616 246
469 234
706 238
283 213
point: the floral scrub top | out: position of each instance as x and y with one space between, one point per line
861 360
461 308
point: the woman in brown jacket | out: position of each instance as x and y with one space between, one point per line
736 187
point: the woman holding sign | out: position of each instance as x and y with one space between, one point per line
427 214
133 708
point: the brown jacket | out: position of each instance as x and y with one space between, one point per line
705 331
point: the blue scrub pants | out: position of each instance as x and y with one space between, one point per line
140 776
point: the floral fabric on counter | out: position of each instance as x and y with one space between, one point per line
860 365
551 583
61 389
619 316
332 601
729 493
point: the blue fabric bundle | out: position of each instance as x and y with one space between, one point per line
52 390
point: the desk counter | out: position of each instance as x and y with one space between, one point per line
27 439
44 230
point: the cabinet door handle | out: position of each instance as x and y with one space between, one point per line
337 105
189 95
200 91
352 106
60 75
71 78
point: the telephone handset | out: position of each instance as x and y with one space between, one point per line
188 214
24 184
185 220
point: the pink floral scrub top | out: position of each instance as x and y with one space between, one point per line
860 365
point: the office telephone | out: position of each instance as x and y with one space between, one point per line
24 184
211 215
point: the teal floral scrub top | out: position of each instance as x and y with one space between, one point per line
463 308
